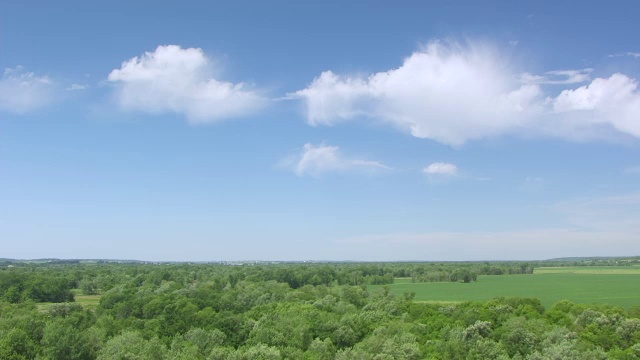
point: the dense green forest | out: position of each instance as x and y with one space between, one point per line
291 311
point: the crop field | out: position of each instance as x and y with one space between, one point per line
621 289
613 270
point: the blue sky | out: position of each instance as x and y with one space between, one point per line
319 131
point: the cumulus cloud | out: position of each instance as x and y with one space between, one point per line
455 93
178 80
440 168
21 91
614 101
447 93
318 159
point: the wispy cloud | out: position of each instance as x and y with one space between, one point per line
596 226
608 213
75 87
178 80
532 184
440 168
530 244
315 160
558 77
631 54
22 91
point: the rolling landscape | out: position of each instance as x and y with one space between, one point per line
319 180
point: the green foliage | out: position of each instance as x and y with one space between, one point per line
297 311
18 284
64 341
131 345
16 345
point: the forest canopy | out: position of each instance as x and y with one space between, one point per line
290 311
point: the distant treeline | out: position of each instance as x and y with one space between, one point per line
52 280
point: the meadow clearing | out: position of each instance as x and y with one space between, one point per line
618 286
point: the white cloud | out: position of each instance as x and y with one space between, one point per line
447 93
21 92
614 101
75 87
558 77
173 79
318 159
630 54
455 93
440 168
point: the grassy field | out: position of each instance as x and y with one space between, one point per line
88 301
613 270
621 289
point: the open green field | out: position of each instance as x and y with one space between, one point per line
88 301
621 289
614 270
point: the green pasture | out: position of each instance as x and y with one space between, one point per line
621 289
88 301
613 270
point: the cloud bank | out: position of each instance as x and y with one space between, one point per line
176 80
455 93
315 160
534 244
595 226
22 92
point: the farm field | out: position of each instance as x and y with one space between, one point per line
613 270
620 289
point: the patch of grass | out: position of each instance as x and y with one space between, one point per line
43 306
585 288
88 300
